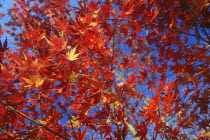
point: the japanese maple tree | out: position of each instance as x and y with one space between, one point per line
108 69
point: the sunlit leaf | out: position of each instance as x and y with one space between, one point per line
34 80
71 55
73 123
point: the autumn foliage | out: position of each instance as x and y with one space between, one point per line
109 69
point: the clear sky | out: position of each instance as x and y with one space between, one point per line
6 4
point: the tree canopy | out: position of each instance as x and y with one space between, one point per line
105 69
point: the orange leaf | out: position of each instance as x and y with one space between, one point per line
57 44
34 80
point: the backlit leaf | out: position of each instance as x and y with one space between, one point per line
71 55
73 123
34 80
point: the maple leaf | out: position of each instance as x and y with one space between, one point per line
144 74
71 55
93 24
118 60
81 135
34 80
132 79
151 84
45 121
3 47
42 122
143 131
73 123
169 87
56 43
130 11
62 25
33 34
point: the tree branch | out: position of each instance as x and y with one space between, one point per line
166 28
34 121
180 32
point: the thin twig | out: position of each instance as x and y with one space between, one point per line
34 121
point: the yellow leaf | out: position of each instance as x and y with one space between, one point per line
104 99
45 121
74 122
71 55
115 104
180 113
34 80
73 77
42 122
95 13
108 120
93 23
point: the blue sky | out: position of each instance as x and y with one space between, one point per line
6 4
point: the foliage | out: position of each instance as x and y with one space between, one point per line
109 69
